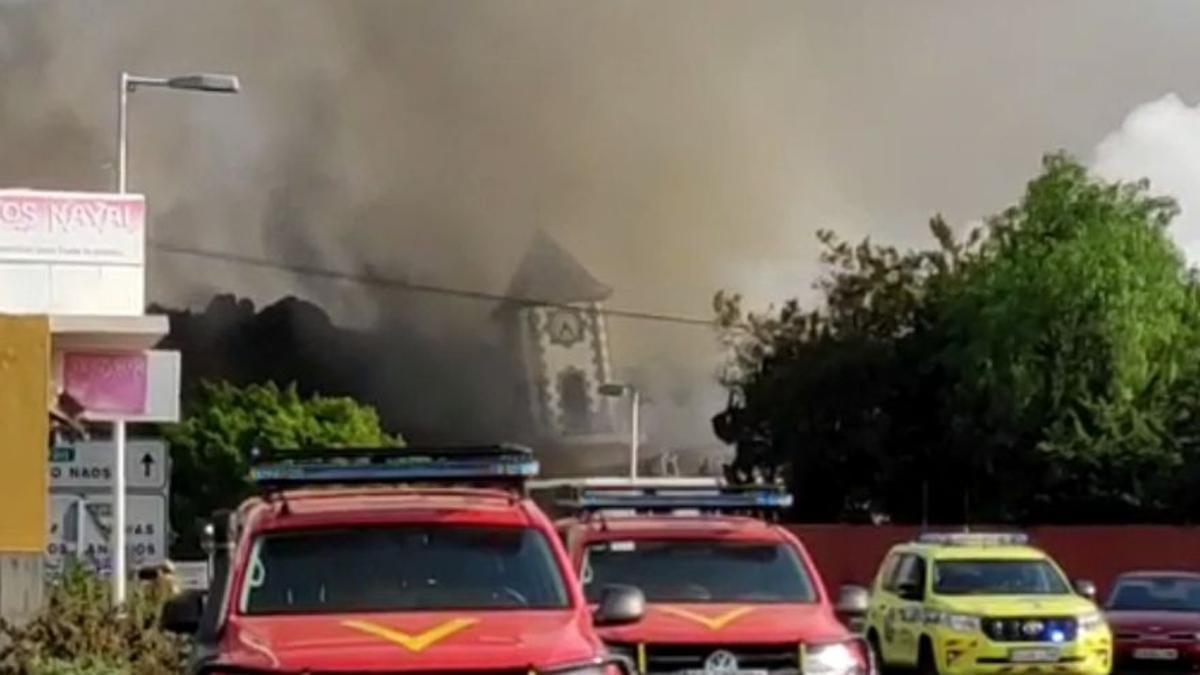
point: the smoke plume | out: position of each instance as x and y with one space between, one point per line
676 147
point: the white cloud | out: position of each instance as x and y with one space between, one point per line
1160 140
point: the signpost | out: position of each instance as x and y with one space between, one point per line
84 513
121 387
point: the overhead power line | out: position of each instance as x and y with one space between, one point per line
413 287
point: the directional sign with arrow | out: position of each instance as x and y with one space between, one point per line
89 465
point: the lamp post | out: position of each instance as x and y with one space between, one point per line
203 82
617 390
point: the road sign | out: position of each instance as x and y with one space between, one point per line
145 530
88 465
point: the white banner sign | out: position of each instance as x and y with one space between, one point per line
72 227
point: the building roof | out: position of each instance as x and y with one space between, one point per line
549 274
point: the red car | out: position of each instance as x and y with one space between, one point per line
726 593
413 574
1155 619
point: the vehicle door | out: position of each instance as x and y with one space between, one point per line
882 614
908 588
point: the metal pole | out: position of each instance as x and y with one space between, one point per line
117 542
635 434
122 132
118 521
81 517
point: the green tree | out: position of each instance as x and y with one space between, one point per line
1039 369
211 447
1071 335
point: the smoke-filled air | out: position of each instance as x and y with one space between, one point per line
674 148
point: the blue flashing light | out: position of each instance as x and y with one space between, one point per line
712 501
974 538
1058 636
402 470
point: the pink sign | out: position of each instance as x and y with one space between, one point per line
109 383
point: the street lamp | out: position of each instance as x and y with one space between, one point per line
203 82
617 390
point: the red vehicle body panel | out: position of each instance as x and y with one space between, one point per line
709 623
458 640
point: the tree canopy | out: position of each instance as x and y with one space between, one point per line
1043 367
210 448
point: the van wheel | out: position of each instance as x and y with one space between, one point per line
926 662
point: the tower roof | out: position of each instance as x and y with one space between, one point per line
548 273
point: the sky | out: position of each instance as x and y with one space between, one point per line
677 147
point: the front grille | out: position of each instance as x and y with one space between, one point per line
777 659
1031 629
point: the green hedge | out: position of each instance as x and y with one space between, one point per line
79 633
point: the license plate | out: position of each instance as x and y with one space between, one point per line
725 672
1033 655
1156 654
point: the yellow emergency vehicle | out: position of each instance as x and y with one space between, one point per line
983 603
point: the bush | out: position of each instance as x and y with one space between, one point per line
79 633
84 666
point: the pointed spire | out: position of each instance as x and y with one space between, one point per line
550 274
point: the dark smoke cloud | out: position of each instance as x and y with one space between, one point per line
676 146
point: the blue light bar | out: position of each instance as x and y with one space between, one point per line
710 500
974 538
502 464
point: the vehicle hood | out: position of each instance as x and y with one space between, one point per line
411 640
1152 622
732 623
1018 605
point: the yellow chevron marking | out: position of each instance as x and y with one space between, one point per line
413 643
713 622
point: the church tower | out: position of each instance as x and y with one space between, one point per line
558 331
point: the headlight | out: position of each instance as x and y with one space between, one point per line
962 623
836 658
1091 622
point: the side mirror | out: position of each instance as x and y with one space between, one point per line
910 592
852 605
183 612
620 605
853 601
1085 588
